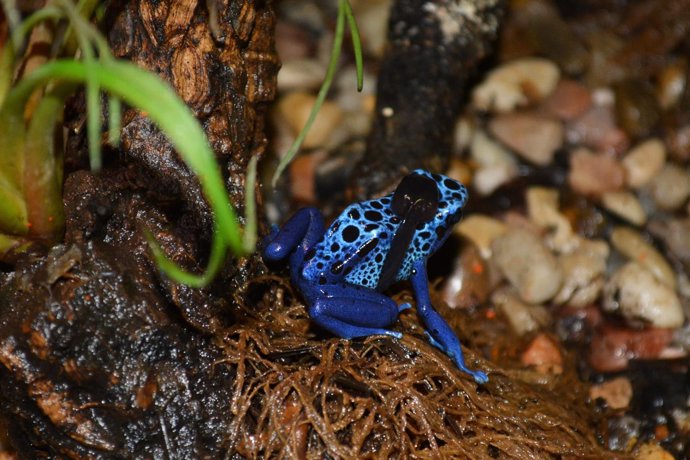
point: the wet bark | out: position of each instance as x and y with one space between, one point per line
434 47
100 355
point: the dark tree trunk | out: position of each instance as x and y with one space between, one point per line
434 47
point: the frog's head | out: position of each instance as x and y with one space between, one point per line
452 196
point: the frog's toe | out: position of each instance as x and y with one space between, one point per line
479 376
404 306
397 335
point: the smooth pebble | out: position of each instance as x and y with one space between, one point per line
625 205
638 295
516 84
542 208
481 230
523 317
583 273
671 187
594 174
633 245
527 264
643 162
535 138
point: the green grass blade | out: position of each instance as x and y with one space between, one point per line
325 86
356 42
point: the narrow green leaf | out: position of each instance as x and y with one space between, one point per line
356 43
325 86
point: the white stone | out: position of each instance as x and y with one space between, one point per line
516 84
625 205
481 230
535 138
671 187
527 264
583 273
632 245
523 317
643 162
638 295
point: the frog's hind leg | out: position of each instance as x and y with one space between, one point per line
350 311
299 234
438 331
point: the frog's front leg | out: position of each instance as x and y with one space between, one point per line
349 311
439 332
295 238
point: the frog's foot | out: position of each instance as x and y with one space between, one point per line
478 376
404 306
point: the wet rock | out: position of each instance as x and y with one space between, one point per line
542 208
497 165
632 245
523 317
583 274
613 347
533 137
643 162
594 174
616 392
516 84
544 355
671 187
625 205
636 294
527 264
481 230
637 111
295 108
569 101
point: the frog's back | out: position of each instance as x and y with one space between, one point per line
357 243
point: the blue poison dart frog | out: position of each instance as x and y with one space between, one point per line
341 271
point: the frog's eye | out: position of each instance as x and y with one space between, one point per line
419 191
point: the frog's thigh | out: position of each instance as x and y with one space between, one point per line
353 311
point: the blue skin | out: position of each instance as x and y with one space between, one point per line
338 269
